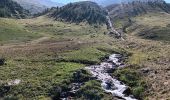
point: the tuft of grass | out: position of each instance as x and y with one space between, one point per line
89 55
136 58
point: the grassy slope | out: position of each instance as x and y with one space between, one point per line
152 26
12 31
150 59
150 56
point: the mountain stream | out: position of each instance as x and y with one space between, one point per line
110 84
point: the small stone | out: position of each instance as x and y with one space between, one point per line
145 70
156 72
14 82
127 91
2 61
64 94
166 83
72 94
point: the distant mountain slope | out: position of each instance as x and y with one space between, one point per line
106 2
138 7
84 11
9 8
110 2
37 6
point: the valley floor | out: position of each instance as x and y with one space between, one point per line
45 64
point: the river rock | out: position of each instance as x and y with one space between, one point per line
145 70
108 85
2 61
127 91
64 95
71 94
14 82
110 70
77 75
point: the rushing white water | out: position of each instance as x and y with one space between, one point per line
109 84
111 27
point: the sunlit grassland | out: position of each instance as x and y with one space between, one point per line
38 78
12 31
154 26
26 30
61 29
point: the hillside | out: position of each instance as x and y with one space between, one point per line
138 7
124 18
9 8
106 3
78 12
146 26
37 6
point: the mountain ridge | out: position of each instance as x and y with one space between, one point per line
84 11
9 8
37 6
138 7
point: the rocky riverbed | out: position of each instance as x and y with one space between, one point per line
102 73
110 84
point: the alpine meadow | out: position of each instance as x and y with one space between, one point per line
84 50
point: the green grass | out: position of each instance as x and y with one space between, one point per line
133 79
11 31
36 78
62 29
92 91
157 33
153 26
91 55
